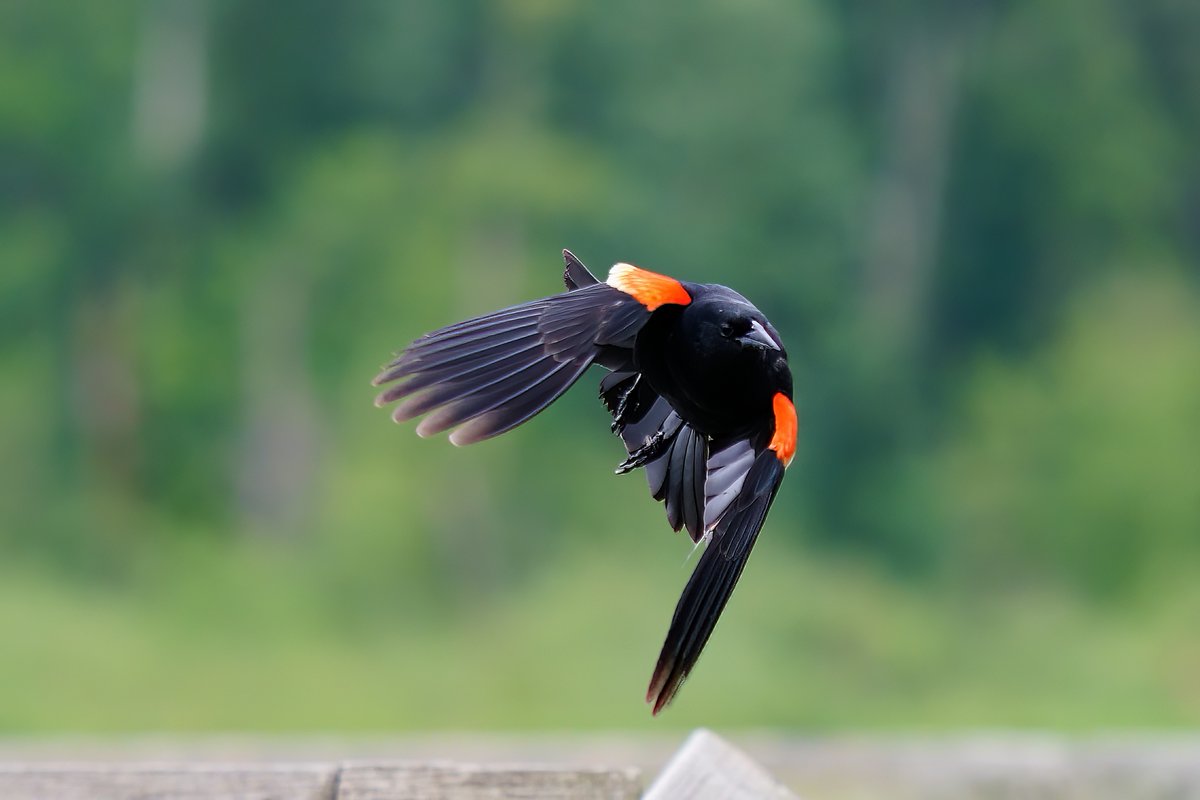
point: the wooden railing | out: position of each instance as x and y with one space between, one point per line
953 767
705 768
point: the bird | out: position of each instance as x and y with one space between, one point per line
699 390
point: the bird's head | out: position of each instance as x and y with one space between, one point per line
733 328
748 330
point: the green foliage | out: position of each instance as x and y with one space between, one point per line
1081 463
217 221
262 642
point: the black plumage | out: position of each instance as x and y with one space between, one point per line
699 391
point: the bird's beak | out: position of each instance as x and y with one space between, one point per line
758 336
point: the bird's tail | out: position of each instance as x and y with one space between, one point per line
489 374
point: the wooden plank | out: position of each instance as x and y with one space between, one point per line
469 782
962 766
986 766
186 782
709 768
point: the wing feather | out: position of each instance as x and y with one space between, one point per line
733 534
521 407
488 374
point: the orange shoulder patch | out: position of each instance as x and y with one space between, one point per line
648 288
783 442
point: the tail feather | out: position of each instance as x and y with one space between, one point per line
683 488
673 452
692 482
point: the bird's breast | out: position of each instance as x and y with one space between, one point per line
718 397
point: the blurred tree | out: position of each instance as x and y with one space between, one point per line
1082 462
218 218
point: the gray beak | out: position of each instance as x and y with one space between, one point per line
757 336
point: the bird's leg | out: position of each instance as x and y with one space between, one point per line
623 403
654 447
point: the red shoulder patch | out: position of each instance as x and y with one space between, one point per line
783 442
648 288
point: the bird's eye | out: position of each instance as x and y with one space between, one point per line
727 329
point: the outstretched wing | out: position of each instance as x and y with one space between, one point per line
489 374
742 481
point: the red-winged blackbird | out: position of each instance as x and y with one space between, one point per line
699 390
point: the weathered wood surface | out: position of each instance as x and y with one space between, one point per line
465 782
315 782
987 767
185 782
983 766
709 768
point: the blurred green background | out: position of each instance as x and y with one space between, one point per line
977 226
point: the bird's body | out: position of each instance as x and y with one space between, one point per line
700 393
683 355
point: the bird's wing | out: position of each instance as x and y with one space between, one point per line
489 374
742 480
576 275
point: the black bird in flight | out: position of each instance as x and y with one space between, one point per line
699 390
